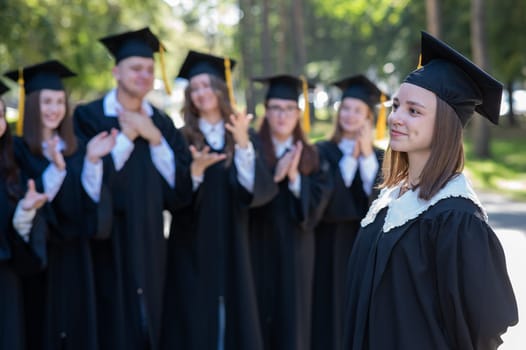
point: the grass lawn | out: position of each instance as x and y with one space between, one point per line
504 172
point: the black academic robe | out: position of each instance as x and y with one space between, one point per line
209 262
335 236
129 265
17 258
282 244
431 278
61 300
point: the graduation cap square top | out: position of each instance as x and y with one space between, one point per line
3 88
282 86
358 86
141 43
45 75
197 63
457 81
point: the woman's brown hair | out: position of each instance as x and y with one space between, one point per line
445 161
338 131
191 131
32 132
309 161
8 168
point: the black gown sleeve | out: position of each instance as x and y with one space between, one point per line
181 195
29 257
265 189
475 293
314 196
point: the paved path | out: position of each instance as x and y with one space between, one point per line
508 219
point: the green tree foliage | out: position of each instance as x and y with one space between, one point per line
37 30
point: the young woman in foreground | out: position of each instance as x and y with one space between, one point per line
426 270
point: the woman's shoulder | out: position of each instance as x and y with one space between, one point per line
458 205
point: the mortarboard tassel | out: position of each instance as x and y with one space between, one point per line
382 119
306 108
228 80
167 87
21 103
419 62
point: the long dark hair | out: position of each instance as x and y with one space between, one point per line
8 169
191 131
32 133
446 159
309 161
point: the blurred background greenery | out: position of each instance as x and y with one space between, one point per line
322 39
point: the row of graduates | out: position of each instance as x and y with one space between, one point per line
238 269
263 223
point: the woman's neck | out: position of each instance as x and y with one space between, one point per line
281 138
349 135
47 134
417 162
211 117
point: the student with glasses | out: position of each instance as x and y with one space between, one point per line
282 231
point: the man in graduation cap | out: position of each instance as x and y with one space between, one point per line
146 173
426 270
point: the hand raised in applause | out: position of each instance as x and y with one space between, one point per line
294 164
238 126
56 156
203 159
364 141
32 198
100 145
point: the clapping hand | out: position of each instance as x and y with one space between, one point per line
141 125
238 126
203 159
364 141
100 145
56 156
33 199
283 165
293 168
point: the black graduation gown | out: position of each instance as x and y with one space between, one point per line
282 244
62 297
437 281
335 236
209 262
130 264
16 258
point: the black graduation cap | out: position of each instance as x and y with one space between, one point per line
142 43
457 81
288 87
282 86
358 86
45 75
3 88
197 63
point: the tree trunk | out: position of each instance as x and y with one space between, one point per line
481 131
434 22
511 116
300 54
246 35
282 36
266 39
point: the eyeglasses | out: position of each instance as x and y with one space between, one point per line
285 110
